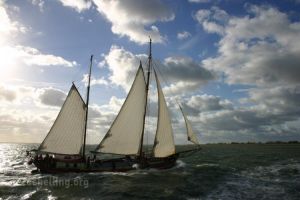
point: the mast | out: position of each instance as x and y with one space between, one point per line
147 90
87 106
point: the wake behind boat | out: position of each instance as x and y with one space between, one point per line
64 147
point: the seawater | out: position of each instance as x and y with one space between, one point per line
249 171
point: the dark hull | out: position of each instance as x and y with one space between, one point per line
110 165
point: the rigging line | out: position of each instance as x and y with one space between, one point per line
149 123
166 82
79 73
82 85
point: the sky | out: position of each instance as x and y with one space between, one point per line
233 65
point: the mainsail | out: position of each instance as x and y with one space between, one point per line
164 140
190 133
66 134
125 133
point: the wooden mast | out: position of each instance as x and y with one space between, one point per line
147 89
87 106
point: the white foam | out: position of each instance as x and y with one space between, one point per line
207 165
28 195
50 197
180 164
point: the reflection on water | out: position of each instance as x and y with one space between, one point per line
216 172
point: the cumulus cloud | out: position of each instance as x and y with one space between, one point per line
135 18
7 94
259 49
183 35
182 67
14 95
182 73
267 119
39 3
22 55
51 96
78 5
25 114
16 55
22 125
8 27
132 18
206 103
280 100
123 66
212 20
94 81
19 95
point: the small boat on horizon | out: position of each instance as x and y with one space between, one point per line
64 147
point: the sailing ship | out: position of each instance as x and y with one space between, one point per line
64 147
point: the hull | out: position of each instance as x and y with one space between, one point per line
109 165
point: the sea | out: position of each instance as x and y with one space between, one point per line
218 171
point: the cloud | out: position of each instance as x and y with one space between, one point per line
39 3
78 5
23 126
51 96
25 115
280 100
206 103
7 94
212 20
219 121
94 81
182 67
113 106
259 49
22 55
17 55
135 18
123 66
16 95
182 73
39 97
183 35
8 28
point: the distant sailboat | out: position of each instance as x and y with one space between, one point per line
64 147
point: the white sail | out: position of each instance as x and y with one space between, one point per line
124 135
67 132
164 140
190 133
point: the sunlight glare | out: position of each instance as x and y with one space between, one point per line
8 62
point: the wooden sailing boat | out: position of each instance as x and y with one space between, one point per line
63 149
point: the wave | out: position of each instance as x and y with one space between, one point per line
262 182
28 195
207 165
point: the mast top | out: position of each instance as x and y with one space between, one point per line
92 58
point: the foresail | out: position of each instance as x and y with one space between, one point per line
66 134
124 135
164 139
190 133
